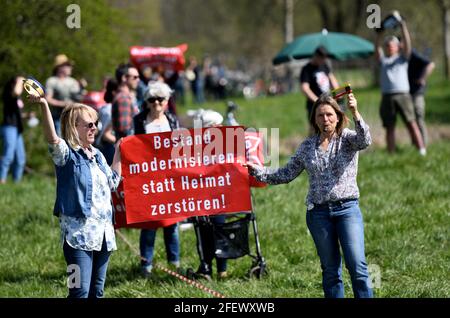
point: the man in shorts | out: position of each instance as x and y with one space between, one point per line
395 87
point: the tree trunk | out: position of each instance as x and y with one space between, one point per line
288 38
288 21
339 16
359 8
324 13
446 33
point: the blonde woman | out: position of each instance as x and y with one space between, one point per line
83 193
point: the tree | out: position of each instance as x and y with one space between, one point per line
288 21
34 32
341 15
445 4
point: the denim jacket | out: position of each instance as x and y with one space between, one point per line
74 183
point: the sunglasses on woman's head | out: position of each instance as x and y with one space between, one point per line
154 99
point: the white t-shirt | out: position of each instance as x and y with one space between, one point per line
154 127
394 75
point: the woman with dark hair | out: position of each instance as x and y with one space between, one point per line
333 216
13 154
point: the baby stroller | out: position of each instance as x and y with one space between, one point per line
228 239
231 241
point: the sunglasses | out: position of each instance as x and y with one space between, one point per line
152 100
91 125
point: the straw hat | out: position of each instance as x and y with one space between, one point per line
62 59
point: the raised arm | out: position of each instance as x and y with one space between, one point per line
47 121
360 139
406 40
379 46
353 106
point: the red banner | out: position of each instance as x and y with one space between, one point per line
121 218
185 173
171 58
254 153
94 99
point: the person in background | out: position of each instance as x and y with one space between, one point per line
169 77
106 139
13 154
124 107
194 75
316 78
84 182
154 118
146 76
61 89
395 88
334 219
419 68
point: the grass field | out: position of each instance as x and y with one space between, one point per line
405 201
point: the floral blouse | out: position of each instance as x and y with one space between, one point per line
332 172
87 233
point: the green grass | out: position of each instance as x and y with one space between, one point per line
405 201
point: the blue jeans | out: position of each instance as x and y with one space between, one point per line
341 224
92 268
171 241
13 153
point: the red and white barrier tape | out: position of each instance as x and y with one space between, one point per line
170 272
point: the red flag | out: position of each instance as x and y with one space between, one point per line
171 58
94 99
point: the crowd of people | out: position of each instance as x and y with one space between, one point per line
84 145
403 76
